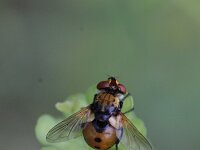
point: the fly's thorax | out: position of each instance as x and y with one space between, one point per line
107 99
105 105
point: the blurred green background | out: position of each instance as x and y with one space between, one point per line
51 49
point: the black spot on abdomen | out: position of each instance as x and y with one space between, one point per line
97 140
97 147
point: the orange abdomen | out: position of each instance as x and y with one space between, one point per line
101 141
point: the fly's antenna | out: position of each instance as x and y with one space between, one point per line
110 77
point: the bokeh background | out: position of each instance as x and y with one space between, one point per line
51 49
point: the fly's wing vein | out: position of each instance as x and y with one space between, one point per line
132 139
69 128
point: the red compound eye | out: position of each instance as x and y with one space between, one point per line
102 85
122 88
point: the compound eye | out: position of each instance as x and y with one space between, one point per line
102 85
122 88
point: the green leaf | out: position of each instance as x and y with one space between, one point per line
49 148
72 104
138 123
43 125
90 93
128 104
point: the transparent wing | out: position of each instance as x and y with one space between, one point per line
132 139
69 128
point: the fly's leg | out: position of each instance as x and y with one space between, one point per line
125 97
121 104
116 146
129 110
